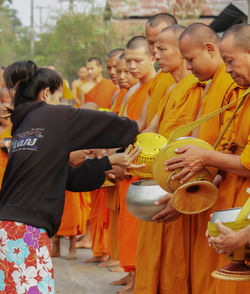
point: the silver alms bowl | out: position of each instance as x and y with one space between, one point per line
226 215
141 197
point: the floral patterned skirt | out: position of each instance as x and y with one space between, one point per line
25 259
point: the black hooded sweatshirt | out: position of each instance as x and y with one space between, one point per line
38 171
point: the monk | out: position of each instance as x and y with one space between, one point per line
234 48
76 85
125 81
140 63
162 81
98 89
163 246
111 60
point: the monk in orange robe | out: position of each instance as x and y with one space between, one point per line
232 189
140 63
111 61
98 89
76 85
163 246
125 81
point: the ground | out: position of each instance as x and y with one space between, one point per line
76 277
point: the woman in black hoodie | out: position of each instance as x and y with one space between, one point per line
38 171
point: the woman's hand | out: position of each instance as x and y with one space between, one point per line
125 159
191 160
167 214
118 173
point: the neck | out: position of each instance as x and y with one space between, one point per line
217 64
98 78
180 73
147 77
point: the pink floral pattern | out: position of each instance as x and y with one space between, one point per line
25 259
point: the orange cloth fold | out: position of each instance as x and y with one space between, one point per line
102 93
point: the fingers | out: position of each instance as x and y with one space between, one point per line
163 200
182 149
173 160
174 166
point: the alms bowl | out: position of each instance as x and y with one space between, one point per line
141 197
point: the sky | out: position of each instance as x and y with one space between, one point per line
50 10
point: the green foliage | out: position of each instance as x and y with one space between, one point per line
74 39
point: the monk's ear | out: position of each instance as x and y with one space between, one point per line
210 49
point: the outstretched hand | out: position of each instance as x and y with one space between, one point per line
191 160
125 159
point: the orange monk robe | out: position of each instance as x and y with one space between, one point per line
74 217
112 196
99 222
160 85
128 224
232 193
163 252
118 100
102 93
67 94
218 90
3 155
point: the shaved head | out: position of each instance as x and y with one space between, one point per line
235 51
97 60
176 30
115 52
157 19
200 33
240 34
111 59
137 43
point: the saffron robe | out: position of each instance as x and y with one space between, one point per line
102 93
232 193
162 259
75 214
160 85
128 224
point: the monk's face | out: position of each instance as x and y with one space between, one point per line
94 70
124 77
111 69
139 62
167 52
152 34
83 73
198 58
237 61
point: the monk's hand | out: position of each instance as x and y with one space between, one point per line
125 159
228 240
118 173
191 159
167 214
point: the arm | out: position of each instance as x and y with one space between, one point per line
193 158
82 95
89 176
142 120
89 129
153 126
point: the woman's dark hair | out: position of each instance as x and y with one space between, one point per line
27 80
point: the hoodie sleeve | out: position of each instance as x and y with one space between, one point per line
89 176
95 129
